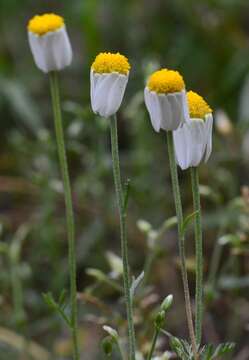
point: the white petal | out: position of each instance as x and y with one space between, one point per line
208 133
107 91
176 110
197 141
101 92
52 51
153 107
166 111
185 106
190 143
116 94
181 146
166 117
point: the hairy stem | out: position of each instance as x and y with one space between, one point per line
198 254
69 207
181 238
124 244
153 344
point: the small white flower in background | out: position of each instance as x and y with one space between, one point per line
193 140
109 77
49 42
165 99
223 123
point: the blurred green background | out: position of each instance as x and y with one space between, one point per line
208 42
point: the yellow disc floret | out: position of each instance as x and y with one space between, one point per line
108 63
198 107
166 81
42 24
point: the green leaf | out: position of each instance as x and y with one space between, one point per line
179 346
62 297
107 345
209 352
223 349
50 301
187 221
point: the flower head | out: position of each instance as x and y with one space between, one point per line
109 77
193 140
42 24
49 42
165 99
166 81
198 107
107 62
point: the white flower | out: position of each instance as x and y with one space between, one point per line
193 140
107 92
49 42
109 77
165 99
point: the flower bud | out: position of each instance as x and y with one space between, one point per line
159 319
167 302
107 344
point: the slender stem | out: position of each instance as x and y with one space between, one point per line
215 262
17 292
198 254
181 237
124 245
120 350
69 207
153 344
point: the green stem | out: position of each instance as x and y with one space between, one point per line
124 245
69 207
181 237
215 262
120 350
17 293
153 345
198 254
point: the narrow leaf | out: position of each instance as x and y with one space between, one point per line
187 221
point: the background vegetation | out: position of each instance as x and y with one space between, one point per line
208 42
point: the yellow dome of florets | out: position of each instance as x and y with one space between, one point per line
166 81
42 24
198 107
108 62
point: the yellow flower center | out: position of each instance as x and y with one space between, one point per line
166 81
42 24
108 63
198 107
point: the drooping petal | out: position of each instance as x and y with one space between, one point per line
185 107
107 91
208 134
166 110
181 146
166 116
153 107
52 51
190 143
176 110
116 94
197 141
